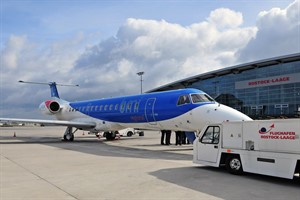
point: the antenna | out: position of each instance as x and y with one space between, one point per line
49 83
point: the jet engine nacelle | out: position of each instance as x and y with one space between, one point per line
50 107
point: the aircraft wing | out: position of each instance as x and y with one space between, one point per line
52 122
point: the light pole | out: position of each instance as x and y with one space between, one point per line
141 75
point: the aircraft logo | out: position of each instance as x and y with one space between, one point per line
263 130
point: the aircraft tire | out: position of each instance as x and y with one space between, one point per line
69 137
110 136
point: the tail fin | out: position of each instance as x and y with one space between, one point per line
53 88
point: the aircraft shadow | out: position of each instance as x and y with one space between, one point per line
219 183
100 147
38 140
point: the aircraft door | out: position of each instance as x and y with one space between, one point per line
149 111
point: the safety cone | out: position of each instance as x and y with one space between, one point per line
15 134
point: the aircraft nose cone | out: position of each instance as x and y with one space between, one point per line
231 114
214 114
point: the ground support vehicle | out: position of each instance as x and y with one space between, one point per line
269 147
120 133
130 132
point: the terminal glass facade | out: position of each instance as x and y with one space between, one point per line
262 92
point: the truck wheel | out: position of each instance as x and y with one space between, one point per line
130 133
234 165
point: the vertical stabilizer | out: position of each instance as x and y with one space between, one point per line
53 88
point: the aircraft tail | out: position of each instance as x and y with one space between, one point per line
53 89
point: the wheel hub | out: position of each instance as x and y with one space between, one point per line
235 164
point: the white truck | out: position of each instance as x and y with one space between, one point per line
123 132
269 147
130 132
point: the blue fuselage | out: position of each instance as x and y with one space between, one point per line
142 108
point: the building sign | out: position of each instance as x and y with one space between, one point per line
268 81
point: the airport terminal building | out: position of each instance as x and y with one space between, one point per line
264 89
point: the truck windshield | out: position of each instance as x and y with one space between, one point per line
211 135
199 98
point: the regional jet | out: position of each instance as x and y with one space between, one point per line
183 109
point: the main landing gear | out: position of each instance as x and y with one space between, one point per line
69 134
110 135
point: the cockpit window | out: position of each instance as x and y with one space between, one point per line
198 98
184 99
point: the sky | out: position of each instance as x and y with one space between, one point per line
102 44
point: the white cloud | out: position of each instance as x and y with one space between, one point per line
278 34
165 51
12 51
153 46
25 60
225 18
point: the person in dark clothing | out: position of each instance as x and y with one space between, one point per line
163 133
168 137
183 137
178 137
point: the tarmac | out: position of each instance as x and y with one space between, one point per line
36 164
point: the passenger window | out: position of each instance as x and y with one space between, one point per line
111 107
116 106
105 107
211 135
136 107
101 107
128 107
184 99
122 107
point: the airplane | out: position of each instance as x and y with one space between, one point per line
177 110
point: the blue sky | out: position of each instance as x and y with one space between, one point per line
102 44
51 20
